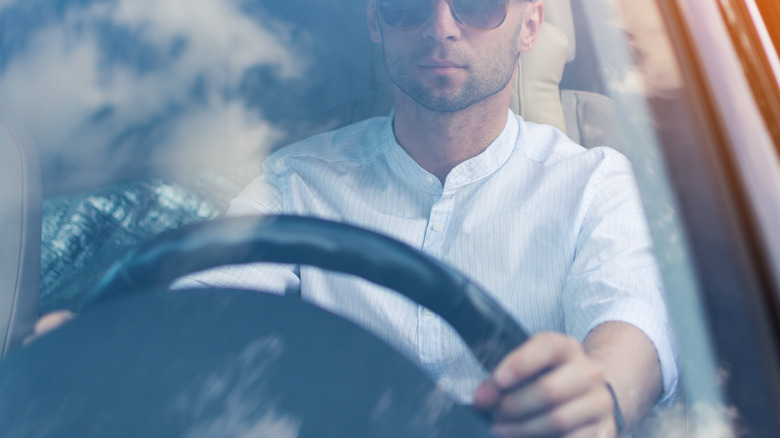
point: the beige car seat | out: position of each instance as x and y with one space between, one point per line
586 117
20 238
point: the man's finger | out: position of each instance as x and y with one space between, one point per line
581 412
596 430
540 353
487 396
49 322
554 388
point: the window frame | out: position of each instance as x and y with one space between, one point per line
729 212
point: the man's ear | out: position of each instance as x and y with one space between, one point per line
372 19
532 22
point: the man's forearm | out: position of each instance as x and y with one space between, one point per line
631 366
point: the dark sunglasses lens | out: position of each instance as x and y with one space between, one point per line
480 14
404 13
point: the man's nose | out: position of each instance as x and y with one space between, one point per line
442 25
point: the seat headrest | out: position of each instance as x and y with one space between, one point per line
536 92
559 14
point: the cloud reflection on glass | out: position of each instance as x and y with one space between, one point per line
114 89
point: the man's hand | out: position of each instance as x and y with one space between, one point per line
49 322
548 387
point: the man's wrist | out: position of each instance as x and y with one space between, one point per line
616 412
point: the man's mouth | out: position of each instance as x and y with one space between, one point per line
440 66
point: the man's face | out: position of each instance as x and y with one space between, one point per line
445 66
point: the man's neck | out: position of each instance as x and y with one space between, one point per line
439 141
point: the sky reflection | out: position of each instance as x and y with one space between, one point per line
111 87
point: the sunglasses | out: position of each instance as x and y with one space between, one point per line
476 14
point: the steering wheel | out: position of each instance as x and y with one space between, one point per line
121 318
488 330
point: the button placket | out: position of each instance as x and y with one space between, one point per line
429 336
437 225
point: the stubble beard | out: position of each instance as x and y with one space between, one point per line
485 79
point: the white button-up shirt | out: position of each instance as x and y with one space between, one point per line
554 232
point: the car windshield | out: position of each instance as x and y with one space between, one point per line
148 115
154 115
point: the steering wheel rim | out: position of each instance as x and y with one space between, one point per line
486 328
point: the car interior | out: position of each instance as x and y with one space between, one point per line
545 91
538 96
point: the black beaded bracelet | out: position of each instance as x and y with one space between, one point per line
616 412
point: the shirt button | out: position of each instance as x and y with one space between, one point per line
427 312
437 227
428 181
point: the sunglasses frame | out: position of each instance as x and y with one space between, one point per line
457 18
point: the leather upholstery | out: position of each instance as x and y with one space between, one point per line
587 118
536 93
20 238
559 14
590 119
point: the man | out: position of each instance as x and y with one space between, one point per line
554 232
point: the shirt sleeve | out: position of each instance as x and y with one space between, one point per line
614 275
262 196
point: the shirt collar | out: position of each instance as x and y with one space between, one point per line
467 172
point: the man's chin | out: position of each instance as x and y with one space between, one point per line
439 97
448 99
443 104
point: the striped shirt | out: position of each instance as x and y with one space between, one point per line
554 232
